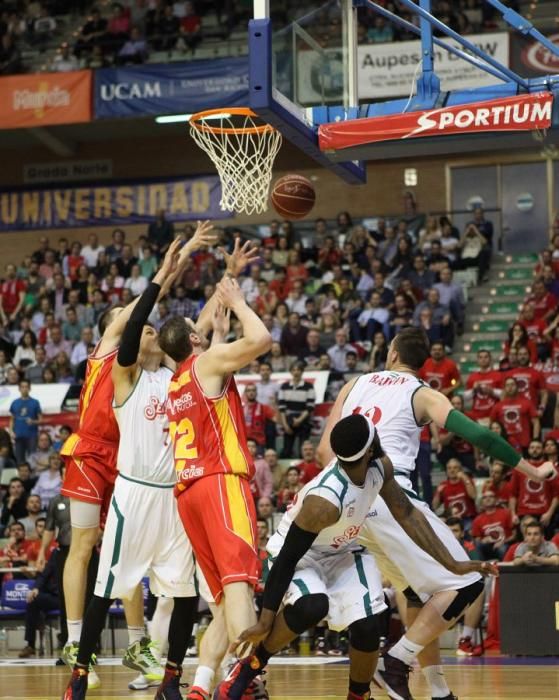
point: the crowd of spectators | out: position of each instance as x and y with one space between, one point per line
129 31
333 298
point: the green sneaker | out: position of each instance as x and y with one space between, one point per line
69 654
139 656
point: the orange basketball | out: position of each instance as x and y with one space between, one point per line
293 196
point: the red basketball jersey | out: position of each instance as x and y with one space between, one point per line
208 433
97 419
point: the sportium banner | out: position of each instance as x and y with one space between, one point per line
388 70
521 113
43 99
115 205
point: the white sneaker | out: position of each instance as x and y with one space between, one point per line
139 683
93 680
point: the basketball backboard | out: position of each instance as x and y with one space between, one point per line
343 101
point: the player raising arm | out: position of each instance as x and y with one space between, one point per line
318 569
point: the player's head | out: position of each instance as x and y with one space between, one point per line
149 344
410 348
355 442
178 338
107 317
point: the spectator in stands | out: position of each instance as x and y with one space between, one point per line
14 554
263 474
545 304
92 250
257 415
10 56
49 483
57 343
34 372
498 483
267 389
40 457
25 417
190 29
34 512
451 295
528 497
483 388
483 226
420 276
440 372
13 505
518 338
25 351
457 492
296 399
92 34
309 467
64 60
24 473
41 599
381 32
440 315
374 318
265 510
293 336
12 296
134 49
337 353
43 28
530 382
71 327
492 529
518 416
290 488
535 551
167 32
4 367
80 350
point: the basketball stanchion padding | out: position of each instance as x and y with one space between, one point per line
293 196
243 152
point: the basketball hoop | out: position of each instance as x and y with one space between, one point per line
243 153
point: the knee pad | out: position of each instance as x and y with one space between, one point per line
464 597
414 601
364 634
307 612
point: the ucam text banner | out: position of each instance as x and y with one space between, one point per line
111 205
43 99
388 70
171 88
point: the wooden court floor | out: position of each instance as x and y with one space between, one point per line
493 678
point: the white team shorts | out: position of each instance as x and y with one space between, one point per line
144 536
405 564
351 580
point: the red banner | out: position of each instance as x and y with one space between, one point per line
45 98
521 113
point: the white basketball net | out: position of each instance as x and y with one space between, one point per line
243 153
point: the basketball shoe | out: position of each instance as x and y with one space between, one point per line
170 688
69 655
196 693
241 682
393 676
77 687
139 656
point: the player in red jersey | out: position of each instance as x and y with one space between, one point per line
483 388
440 372
212 459
530 381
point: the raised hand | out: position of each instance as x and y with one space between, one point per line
221 321
240 257
228 293
203 236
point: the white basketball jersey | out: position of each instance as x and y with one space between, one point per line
386 398
145 451
353 502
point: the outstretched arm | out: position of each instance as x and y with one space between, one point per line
417 527
315 515
429 404
324 453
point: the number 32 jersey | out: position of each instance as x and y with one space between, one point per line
208 433
354 502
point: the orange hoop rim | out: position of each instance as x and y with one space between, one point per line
196 121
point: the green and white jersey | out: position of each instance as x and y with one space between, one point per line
145 450
352 501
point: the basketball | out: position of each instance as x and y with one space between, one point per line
293 196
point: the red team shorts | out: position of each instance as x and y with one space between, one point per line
91 472
219 517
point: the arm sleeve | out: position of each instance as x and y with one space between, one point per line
491 443
296 545
132 334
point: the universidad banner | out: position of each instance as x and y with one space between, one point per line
171 88
106 205
43 99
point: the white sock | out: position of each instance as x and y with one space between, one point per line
469 632
74 630
203 678
135 634
434 675
405 650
